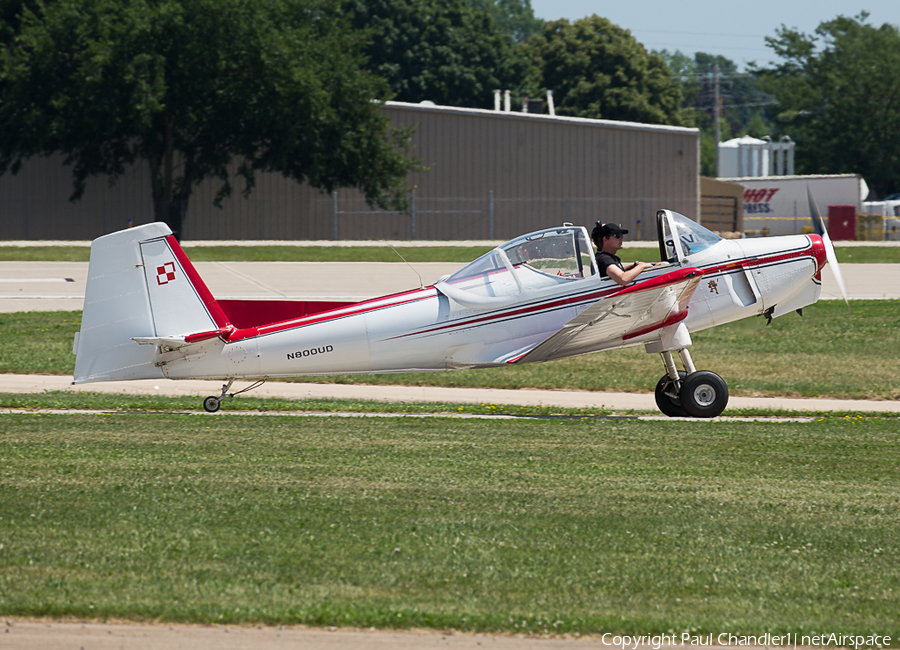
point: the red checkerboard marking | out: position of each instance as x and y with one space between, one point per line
165 273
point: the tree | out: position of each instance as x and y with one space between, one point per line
839 95
439 50
514 17
189 85
596 69
683 71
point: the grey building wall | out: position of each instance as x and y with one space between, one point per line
492 175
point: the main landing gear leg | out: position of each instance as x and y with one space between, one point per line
689 392
687 361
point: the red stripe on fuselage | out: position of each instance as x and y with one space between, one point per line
808 251
516 313
666 279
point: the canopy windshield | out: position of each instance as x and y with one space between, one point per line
691 236
541 259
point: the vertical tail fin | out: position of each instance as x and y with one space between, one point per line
140 285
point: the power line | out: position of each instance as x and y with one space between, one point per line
710 108
717 47
666 31
708 75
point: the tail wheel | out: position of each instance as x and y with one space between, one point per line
704 394
668 398
211 404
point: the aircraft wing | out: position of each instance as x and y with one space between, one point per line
636 310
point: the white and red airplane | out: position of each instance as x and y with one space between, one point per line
148 314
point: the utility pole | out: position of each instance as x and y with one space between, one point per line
716 101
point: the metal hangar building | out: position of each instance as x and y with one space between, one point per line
490 175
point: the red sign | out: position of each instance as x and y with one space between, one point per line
757 201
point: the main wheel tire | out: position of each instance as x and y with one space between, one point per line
665 390
211 404
704 394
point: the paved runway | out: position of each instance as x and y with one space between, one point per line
52 286
617 402
53 635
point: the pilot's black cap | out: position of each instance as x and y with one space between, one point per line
607 230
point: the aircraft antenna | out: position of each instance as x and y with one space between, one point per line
421 284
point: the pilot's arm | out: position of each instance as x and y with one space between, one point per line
625 278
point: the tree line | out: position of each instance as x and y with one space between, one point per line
293 86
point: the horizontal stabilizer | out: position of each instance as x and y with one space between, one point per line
180 341
172 342
636 310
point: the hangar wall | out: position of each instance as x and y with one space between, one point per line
492 175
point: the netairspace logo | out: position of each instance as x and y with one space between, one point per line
626 642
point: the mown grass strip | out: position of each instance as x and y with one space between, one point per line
85 399
513 526
829 352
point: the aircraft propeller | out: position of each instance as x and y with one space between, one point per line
830 255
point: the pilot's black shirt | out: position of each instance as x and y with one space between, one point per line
605 260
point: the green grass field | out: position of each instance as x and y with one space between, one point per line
448 253
829 352
536 526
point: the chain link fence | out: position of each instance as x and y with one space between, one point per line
488 218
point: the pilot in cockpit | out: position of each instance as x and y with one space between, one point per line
608 240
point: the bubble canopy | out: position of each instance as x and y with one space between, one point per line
555 257
539 260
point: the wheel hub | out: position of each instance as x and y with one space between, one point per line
704 395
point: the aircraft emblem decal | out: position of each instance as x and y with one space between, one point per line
165 273
714 287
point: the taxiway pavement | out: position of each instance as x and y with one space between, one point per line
53 635
616 402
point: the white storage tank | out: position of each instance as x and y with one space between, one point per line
747 156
